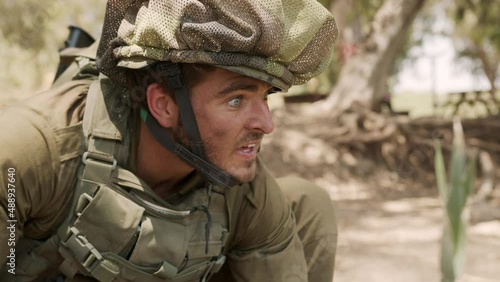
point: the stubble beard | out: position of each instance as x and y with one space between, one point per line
242 172
245 170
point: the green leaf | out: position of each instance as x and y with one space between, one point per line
461 179
447 257
457 193
459 251
440 171
471 173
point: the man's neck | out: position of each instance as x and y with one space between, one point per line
158 167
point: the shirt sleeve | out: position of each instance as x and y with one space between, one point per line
268 247
28 166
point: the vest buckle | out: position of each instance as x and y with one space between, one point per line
89 257
85 156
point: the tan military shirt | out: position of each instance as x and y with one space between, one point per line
41 151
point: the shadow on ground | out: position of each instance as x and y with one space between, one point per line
399 240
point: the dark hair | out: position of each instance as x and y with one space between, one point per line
138 80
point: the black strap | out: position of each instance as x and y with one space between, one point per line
209 171
172 73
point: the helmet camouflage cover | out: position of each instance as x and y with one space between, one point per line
283 42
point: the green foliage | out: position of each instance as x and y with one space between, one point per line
454 191
477 36
478 19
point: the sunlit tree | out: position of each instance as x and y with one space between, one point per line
477 35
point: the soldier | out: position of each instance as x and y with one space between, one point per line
145 167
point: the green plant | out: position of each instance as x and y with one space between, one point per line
454 191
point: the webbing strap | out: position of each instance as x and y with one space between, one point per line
101 149
97 121
78 253
172 73
209 171
101 137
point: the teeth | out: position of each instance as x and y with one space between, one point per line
248 148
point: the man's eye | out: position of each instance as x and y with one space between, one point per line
235 102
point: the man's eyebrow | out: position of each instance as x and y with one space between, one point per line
237 86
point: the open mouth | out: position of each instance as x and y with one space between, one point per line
248 149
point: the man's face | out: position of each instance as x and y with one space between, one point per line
232 115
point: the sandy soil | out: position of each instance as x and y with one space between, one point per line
399 240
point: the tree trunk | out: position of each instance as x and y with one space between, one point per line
489 65
363 77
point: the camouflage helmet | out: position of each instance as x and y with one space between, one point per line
283 42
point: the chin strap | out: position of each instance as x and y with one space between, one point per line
171 72
209 171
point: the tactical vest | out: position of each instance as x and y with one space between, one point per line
119 229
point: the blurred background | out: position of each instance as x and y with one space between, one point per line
436 49
364 130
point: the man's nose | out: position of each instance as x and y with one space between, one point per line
260 118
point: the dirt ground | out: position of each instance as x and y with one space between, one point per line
399 240
389 228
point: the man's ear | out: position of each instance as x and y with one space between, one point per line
161 106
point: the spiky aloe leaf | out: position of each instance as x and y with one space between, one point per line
447 265
457 192
454 193
440 171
